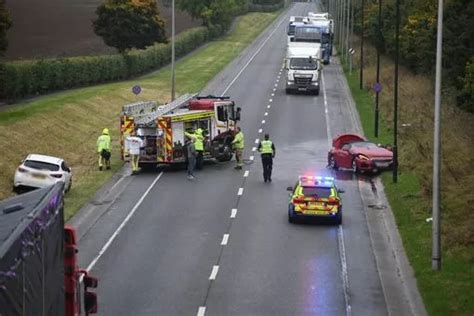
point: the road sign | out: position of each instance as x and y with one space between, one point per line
378 87
351 51
136 90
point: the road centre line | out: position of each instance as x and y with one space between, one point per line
270 100
122 225
214 271
260 131
246 174
340 232
269 106
263 121
257 141
252 158
241 191
201 311
233 213
266 114
254 55
254 148
273 94
225 239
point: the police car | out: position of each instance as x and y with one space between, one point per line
315 197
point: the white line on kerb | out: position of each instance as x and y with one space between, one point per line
246 174
214 271
342 248
252 158
225 239
233 213
263 121
241 191
201 311
122 225
254 148
257 141
260 130
252 58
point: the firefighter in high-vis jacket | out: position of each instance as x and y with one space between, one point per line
238 145
198 138
267 151
103 149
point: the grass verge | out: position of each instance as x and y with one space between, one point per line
67 124
448 292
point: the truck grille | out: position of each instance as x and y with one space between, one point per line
303 81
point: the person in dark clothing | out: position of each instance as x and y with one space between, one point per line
191 155
267 150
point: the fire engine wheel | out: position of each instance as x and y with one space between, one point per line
227 156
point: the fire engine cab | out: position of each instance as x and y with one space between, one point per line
163 127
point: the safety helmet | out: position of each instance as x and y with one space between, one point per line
105 131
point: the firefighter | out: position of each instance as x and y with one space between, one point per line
103 149
191 158
198 138
238 146
133 144
267 150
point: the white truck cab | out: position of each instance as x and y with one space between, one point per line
303 68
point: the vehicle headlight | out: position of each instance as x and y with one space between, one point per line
290 81
363 157
315 83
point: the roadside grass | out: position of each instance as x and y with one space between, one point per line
449 291
67 124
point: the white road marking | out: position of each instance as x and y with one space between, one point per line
201 311
214 271
342 247
263 121
269 106
276 85
225 239
271 100
252 58
273 94
233 213
241 191
254 148
257 141
252 158
246 174
266 114
122 225
260 130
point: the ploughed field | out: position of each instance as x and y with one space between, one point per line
60 28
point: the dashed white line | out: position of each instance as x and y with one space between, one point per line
201 311
273 94
225 239
260 130
241 191
254 148
246 174
269 106
266 114
276 85
214 271
233 213
271 100
257 141
252 158
263 121
279 76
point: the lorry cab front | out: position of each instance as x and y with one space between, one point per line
303 70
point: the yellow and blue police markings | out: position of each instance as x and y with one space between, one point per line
315 197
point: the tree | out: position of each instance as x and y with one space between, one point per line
126 24
5 24
212 12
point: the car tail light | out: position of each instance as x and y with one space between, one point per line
56 175
298 200
333 201
20 169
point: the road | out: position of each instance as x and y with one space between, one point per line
222 244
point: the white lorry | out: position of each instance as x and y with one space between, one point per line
303 61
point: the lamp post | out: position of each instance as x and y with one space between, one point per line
377 92
361 78
395 97
436 251
173 76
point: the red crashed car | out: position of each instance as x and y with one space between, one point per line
355 152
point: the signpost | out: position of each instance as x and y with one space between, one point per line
377 88
136 90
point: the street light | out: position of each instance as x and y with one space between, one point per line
436 251
395 97
361 79
173 76
377 91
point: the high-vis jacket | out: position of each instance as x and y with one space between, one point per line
266 147
103 142
238 141
198 139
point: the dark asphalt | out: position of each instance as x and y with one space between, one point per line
161 261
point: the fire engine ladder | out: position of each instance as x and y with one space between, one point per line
164 109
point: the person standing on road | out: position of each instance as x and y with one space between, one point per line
133 144
191 155
267 150
198 138
103 149
238 145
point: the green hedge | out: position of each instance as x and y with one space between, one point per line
36 77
